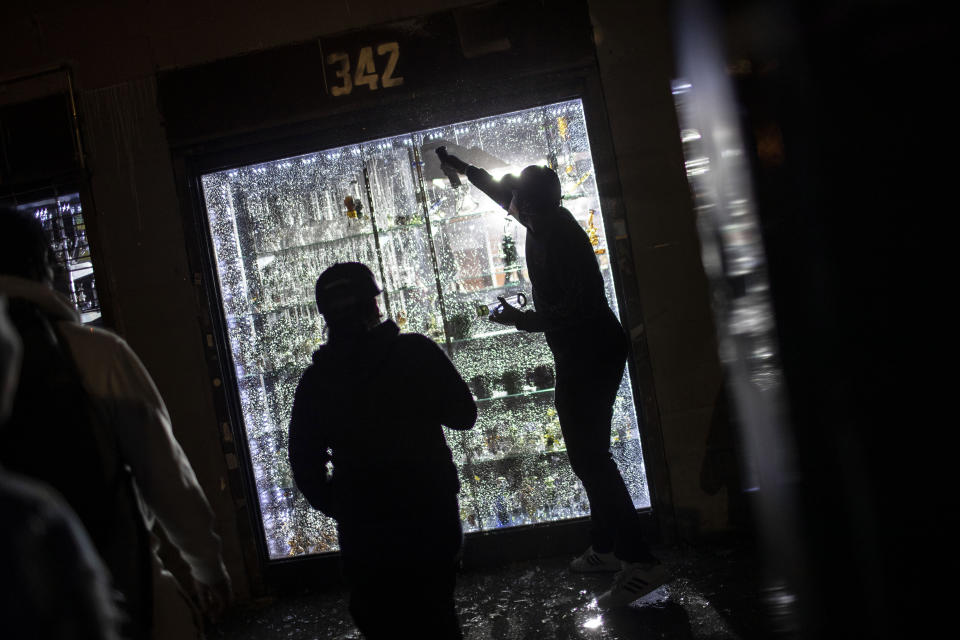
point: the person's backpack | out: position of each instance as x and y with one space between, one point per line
58 435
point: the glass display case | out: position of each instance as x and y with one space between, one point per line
66 232
443 252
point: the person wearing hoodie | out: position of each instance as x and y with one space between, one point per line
590 349
367 449
53 585
128 446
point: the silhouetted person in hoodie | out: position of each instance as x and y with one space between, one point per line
89 421
372 404
590 352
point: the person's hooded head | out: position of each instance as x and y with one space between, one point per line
24 250
536 192
347 298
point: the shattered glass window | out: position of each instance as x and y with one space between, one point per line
443 253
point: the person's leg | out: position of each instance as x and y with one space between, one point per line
437 613
441 549
382 586
582 449
402 578
362 558
363 609
586 389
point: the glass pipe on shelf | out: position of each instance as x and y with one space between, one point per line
470 319
490 308
407 220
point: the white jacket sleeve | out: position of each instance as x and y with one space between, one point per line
163 474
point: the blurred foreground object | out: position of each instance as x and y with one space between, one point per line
802 125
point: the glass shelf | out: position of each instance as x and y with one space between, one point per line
484 290
475 460
312 245
311 302
467 216
507 396
485 336
487 459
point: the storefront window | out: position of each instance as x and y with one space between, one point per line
442 253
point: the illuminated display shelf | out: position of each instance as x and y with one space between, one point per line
308 304
460 217
525 394
65 230
275 226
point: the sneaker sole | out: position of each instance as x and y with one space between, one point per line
598 569
638 588
592 564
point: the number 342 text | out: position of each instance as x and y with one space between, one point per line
366 71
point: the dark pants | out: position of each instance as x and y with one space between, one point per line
402 574
588 378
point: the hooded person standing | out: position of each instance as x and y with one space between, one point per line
371 405
53 585
88 420
590 352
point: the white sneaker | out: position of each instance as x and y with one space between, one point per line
634 581
594 562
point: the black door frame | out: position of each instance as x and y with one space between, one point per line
448 104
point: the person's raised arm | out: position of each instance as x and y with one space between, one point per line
500 191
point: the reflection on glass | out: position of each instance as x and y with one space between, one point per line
443 254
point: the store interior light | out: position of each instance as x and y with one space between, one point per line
499 172
593 623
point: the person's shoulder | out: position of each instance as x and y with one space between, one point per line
75 332
566 219
416 341
322 367
21 494
569 228
416 346
311 372
96 349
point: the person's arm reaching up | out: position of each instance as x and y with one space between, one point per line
500 191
